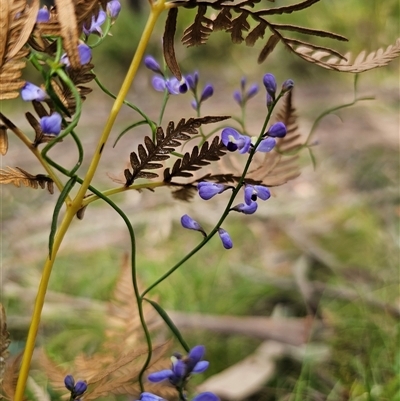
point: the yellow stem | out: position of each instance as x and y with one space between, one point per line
113 191
157 9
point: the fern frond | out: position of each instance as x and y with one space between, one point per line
19 177
152 152
199 31
362 62
3 140
17 20
4 341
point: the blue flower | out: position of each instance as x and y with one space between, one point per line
190 224
241 97
51 125
266 145
85 55
76 389
208 91
235 141
207 396
95 25
270 84
209 189
277 130
246 209
287 85
225 238
31 92
182 367
151 63
43 15
193 80
172 85
113 9
253 192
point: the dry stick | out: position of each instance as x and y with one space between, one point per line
77 202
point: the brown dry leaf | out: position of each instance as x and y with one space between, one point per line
17 19
19 177
69 30
4 341
363 62
3 140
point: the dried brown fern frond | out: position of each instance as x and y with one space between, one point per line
10 377
362 62
3 140
114 368
17 20
151 153
19 177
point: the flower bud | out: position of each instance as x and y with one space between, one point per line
190 224
43 15
287 85
51 125
208 91
32 92
113 9
80 388
225 238
270 84
152 64
277 130
69 382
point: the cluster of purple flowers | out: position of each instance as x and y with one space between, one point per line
181 370
77 389
206 93
241 97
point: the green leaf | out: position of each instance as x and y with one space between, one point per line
169 323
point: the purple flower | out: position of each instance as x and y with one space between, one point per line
190 224
151 63
287 85
161 84
43 15
277 130
51 125
183 85
113 9
182 367
266 145
193 80
253 192
209 189
96 24
241 97
225 238
207 396
150 397
76 389
246 209
235 141
270 84
85 55
31 92
208 91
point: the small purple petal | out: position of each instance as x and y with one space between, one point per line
243 83
43 15
152 64
262 192
201 366
194 104
85 54
113 8
246 209
52 124
238 98
183 86
270 84
192 80
270 101
69 382
197 353
150 397
95 24
80 388
225 238
252 91
235 141
190 224
250 195
208 91
32 92
160 376
173 86
159 83
207 396
266 145
287 85
277 130
228 135
209 189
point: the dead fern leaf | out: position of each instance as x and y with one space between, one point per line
17 19
198 33
4 341
168 43
11 373
268 48
19 177
3 140
363 62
